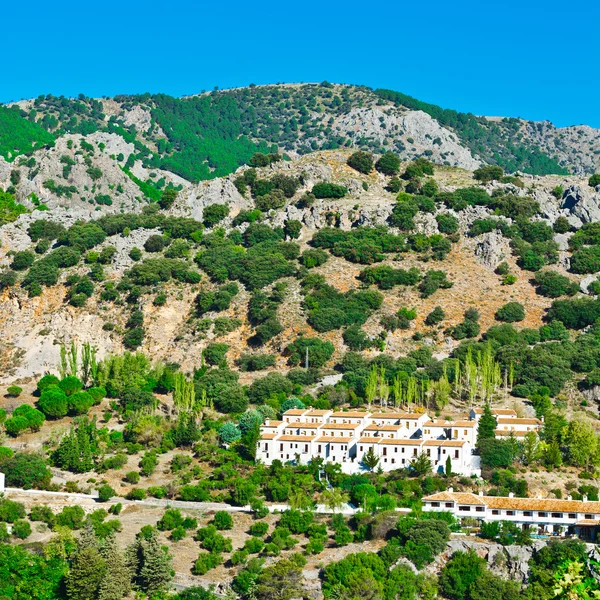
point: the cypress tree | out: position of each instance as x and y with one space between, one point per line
155 569
487 425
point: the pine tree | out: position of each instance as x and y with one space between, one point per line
87 568
448 469
370 460
371 387
155 569
116 584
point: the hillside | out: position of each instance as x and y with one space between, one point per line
177 274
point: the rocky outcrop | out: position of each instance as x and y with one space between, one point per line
491 249
582 205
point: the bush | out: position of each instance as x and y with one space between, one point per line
319 352
132 477
105 493
11 511
552 284
255 362
436 316
264 388
447 223
259 529
22 260
14 391
313 257
214 354
511 312
594 180
360 161
329 190
70 385
229 433
155 243
488 173
21 529
223 520
25 470
53 402
206 561
433 281
214 214
388 164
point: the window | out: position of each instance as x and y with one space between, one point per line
510 513
305 447
541 514
319 448
280 447
479 509
589 516
572 515
464 508
266 447
415 452
557 515
495 512
449 504
527 513
361 448
456 454
465 432
435 504
385 451
428 452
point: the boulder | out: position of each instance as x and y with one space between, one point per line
582 204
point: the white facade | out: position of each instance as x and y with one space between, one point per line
557 517
396 439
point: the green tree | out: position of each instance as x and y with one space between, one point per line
116 583
168 198
151 563
459 573
421 465
487 425
87 568
388 164
488 173
581 443
370 459
511 312
281 581
361 161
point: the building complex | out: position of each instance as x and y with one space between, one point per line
394 438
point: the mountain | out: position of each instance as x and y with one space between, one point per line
210 135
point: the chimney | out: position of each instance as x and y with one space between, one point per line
511 495
481 493
539 496
569 497
451 489
584 498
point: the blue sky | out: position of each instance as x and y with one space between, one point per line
533 59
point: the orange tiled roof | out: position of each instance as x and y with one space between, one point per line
295 412
463 424
394 442
519 422
351 414
504 502
333 440
296 438
340 426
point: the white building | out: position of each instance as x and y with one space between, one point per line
396 439
544 516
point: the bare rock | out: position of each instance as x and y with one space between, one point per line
580 203
491 249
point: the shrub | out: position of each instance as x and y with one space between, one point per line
223 520
447 223
552 284
132 477
360 161
136 494
488 173
214 353
105 493
21 529
155 243
271 384
313 257
255 362
436 316
22 260
53 402
319 352
214 214
11 511
388 164
70 385
433 281
14 391
511 312
594 180
259 529
205 562
329 190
